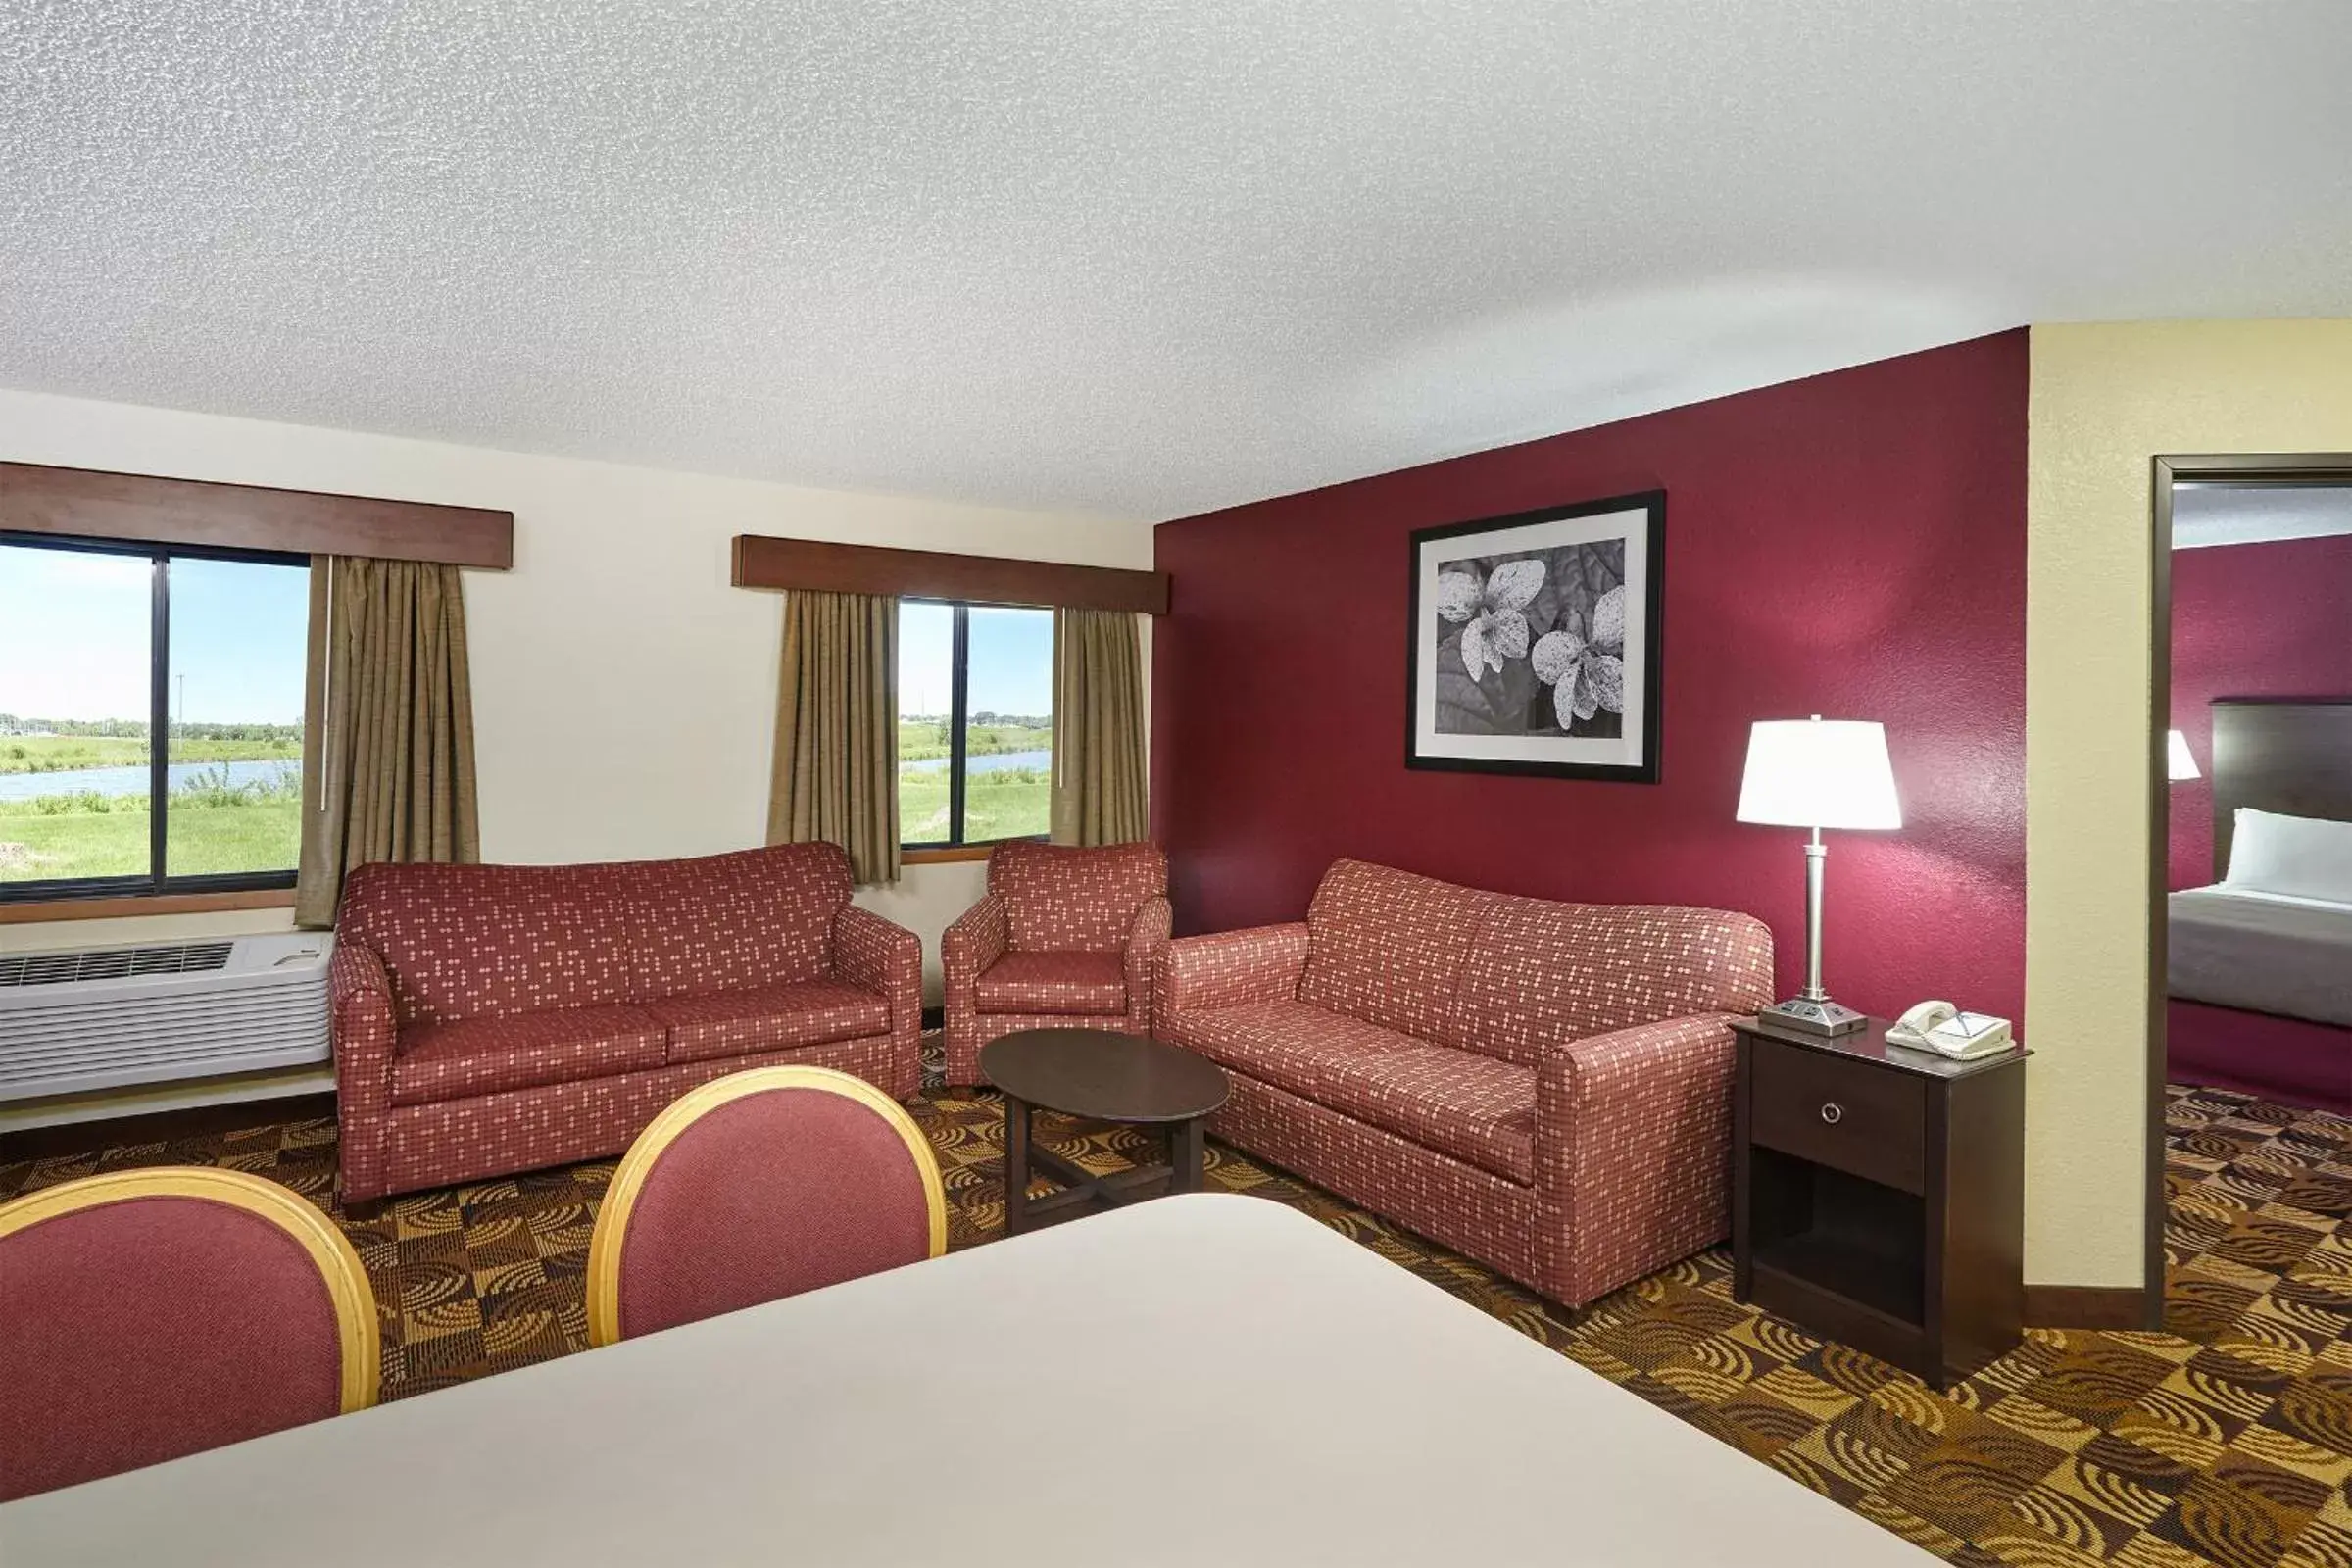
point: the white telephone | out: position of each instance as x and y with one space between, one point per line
1944 1029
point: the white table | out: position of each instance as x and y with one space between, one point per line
1203 1379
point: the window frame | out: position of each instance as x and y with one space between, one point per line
156 882
958 710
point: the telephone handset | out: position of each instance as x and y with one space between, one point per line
1944 1029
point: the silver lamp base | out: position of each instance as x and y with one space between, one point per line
1822 1017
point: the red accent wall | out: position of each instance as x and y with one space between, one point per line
1852 545
2249 620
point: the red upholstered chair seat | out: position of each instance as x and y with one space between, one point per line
1053 982
742 1024
1459 1102
486 1055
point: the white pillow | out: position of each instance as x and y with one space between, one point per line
2298 857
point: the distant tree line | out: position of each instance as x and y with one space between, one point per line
136 729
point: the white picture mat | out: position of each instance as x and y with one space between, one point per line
1631 525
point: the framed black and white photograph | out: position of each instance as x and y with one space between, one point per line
1534 642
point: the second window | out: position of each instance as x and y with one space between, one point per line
975 723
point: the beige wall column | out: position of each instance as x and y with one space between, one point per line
2106 400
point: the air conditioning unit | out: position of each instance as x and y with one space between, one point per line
75 1021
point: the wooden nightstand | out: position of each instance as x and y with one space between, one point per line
1878 1195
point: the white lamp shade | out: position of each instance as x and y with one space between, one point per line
1808 773
2177 764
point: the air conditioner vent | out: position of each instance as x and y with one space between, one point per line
112 963
86 1020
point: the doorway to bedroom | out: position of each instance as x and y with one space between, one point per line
2252 848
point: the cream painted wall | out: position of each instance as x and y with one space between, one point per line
2106 400
623 693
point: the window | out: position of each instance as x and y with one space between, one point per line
975 723
106 647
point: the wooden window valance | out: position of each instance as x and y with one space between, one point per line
763 561
93 505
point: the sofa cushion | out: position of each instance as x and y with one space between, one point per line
473 942
739 1023
731 922
1286 1044
1538 971
1385 945
1062 899
1053 982
487 1056
1459 1102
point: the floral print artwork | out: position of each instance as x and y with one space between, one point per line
1533 642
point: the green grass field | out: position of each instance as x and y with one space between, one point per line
919 739
205 839
1012 805
58 753
219 830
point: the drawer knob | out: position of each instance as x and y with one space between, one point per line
1832 1112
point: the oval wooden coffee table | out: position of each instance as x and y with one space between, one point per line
1101 1076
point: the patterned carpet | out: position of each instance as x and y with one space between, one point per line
2232 1445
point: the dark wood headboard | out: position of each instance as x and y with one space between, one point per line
2287 755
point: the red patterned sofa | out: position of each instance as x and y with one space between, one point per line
1543 1087
489 1019
1064 938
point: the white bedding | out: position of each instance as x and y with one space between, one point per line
2264 952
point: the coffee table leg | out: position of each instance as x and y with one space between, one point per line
1017 1165
1185 1154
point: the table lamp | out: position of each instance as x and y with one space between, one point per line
2177 763
1811 774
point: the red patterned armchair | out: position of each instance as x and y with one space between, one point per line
1064 938
489 1019
1543 1087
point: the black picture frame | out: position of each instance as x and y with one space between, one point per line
1636 747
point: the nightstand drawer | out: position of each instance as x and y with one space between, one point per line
1866 1121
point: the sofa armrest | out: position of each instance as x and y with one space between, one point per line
361 1025
1147 940
1263 963
978 938
881 955
1634 1140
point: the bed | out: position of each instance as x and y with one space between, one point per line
2259 967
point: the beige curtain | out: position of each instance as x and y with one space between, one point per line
835 772
388 749
1100 792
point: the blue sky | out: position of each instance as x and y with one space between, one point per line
73 637
1011 653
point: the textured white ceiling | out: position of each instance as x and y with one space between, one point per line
2206 515
1136 256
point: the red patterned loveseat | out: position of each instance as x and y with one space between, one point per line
1543 1087
489 1019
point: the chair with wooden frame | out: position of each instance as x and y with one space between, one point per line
147 1314
756 1186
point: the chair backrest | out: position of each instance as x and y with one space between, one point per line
152 1314
1060 897
1503 975
491 941
759 1186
